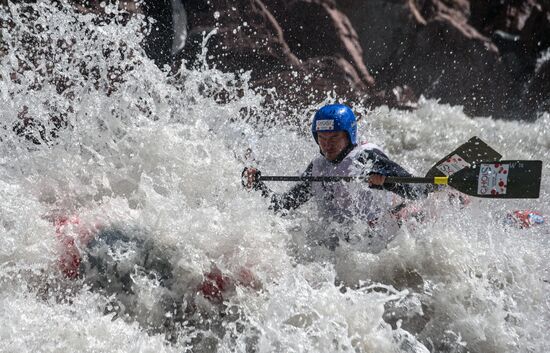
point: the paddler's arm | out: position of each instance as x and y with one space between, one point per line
382 165
295 197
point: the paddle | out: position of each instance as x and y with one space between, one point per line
500 179
523 180
467 154
513 179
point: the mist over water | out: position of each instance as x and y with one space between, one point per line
126 145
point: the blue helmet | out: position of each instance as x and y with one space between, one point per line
335 117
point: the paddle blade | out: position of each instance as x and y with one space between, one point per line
500 180
472 152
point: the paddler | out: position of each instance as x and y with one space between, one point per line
334 129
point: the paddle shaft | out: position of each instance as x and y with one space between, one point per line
510 179
389 180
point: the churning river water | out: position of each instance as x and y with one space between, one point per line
159 157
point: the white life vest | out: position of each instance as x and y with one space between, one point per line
348 201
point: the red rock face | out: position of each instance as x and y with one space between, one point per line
296 47
478 54
472 53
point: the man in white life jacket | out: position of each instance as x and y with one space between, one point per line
334 129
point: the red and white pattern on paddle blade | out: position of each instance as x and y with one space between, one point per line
452 165
493 179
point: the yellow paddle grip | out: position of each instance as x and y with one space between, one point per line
441 180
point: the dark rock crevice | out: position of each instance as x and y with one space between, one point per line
487 56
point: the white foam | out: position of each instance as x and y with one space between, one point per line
166 155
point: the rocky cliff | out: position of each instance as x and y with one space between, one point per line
490 56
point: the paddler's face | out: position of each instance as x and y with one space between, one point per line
332 143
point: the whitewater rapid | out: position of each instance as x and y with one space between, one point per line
162 153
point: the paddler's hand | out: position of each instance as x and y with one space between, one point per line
249 178
376 180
